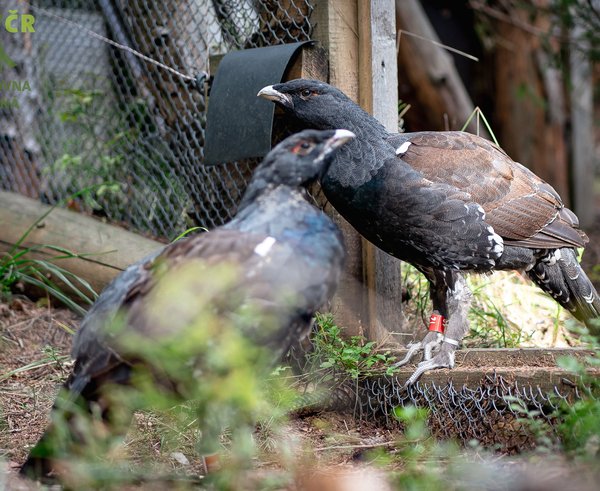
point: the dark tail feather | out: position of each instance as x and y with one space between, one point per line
40 461
560 275
79 398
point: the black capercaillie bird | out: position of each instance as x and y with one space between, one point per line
446 202
287 256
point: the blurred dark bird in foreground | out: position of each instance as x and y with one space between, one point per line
446 202
263 275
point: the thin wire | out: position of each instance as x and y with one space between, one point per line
423 38
104 39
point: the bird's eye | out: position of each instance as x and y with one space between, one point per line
306 93
302 148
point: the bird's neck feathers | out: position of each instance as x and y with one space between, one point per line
366 126
354 118
260 190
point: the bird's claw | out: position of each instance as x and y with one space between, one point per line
443 359
429 343
413 348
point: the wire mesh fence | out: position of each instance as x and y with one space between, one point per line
497 413
500 412
79 115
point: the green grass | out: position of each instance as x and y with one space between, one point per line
352 357
507 311
18 266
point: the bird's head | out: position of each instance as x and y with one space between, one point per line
315 104
302 157
296 161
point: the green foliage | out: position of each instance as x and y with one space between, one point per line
119 165
17 266
580 427
201 376
423 458
351 357
506 309
584 15
489 326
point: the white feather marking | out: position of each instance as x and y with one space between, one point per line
495 241
403 148
264 247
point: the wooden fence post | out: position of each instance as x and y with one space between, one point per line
336 28
378 84
361 40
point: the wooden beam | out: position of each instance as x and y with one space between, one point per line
510 357
378 84
111 249
527 366
430 70
311 63
582 124
336 28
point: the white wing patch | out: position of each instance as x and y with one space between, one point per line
264 247
403 148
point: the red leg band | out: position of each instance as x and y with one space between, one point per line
436 323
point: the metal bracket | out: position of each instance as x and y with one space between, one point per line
239 124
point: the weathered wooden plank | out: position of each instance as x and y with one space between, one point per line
545 378
527 366
511 357
378 81
111 248
336 28
582 124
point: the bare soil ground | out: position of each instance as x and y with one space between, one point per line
330 447
35 342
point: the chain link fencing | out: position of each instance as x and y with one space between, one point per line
497 413
83 116
79 115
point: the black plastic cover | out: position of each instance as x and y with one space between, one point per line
239 124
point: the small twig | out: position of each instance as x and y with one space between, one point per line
509 19
368 445
104 39
435 43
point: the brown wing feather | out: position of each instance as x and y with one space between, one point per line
212 247
521 207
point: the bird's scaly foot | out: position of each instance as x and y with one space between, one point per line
430 342
443 359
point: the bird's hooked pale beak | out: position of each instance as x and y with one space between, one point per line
339 138
271 94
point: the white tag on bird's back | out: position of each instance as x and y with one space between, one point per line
264 247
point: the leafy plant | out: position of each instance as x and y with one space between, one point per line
17 266
415 451
202 380
122 165
353 357
580 427
507 310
